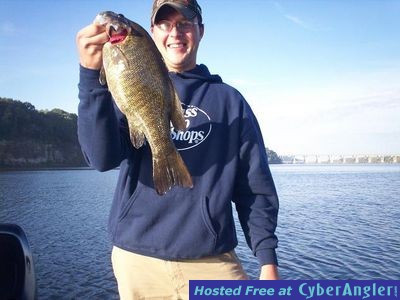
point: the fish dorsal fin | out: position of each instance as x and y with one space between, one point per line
177 118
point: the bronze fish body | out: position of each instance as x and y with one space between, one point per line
138 80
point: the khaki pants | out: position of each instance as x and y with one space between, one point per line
144 277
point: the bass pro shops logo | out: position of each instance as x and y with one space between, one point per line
198 128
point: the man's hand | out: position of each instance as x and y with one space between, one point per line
90 41
269 272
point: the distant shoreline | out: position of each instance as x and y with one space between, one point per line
33 169
24 169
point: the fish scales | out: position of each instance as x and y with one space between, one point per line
139 83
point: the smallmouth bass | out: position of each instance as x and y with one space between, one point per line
138 80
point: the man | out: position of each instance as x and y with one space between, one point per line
161 242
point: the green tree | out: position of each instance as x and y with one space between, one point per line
273 157
37 138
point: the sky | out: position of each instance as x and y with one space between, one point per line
322 76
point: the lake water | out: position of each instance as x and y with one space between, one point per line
335 222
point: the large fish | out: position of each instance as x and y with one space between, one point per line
138 80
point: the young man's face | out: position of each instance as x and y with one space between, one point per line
178 46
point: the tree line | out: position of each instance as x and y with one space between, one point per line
273 157
32 138
44 138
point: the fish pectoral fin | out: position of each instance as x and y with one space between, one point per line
102 77
137 136
169 170
177 118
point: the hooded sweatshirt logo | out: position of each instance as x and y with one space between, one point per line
198 128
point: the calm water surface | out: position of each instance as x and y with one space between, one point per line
335 222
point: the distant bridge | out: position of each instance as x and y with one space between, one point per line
341 159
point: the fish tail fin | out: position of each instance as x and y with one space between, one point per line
169 170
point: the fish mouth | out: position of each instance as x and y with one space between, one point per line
117 36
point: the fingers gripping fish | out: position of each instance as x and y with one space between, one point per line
139 83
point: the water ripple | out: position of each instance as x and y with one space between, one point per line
335 222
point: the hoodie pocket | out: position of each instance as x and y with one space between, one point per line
205 213
126 207
172 226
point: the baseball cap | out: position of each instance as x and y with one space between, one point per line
188 8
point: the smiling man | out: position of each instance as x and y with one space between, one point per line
162 242
177 36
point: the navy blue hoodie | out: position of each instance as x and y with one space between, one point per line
225 154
